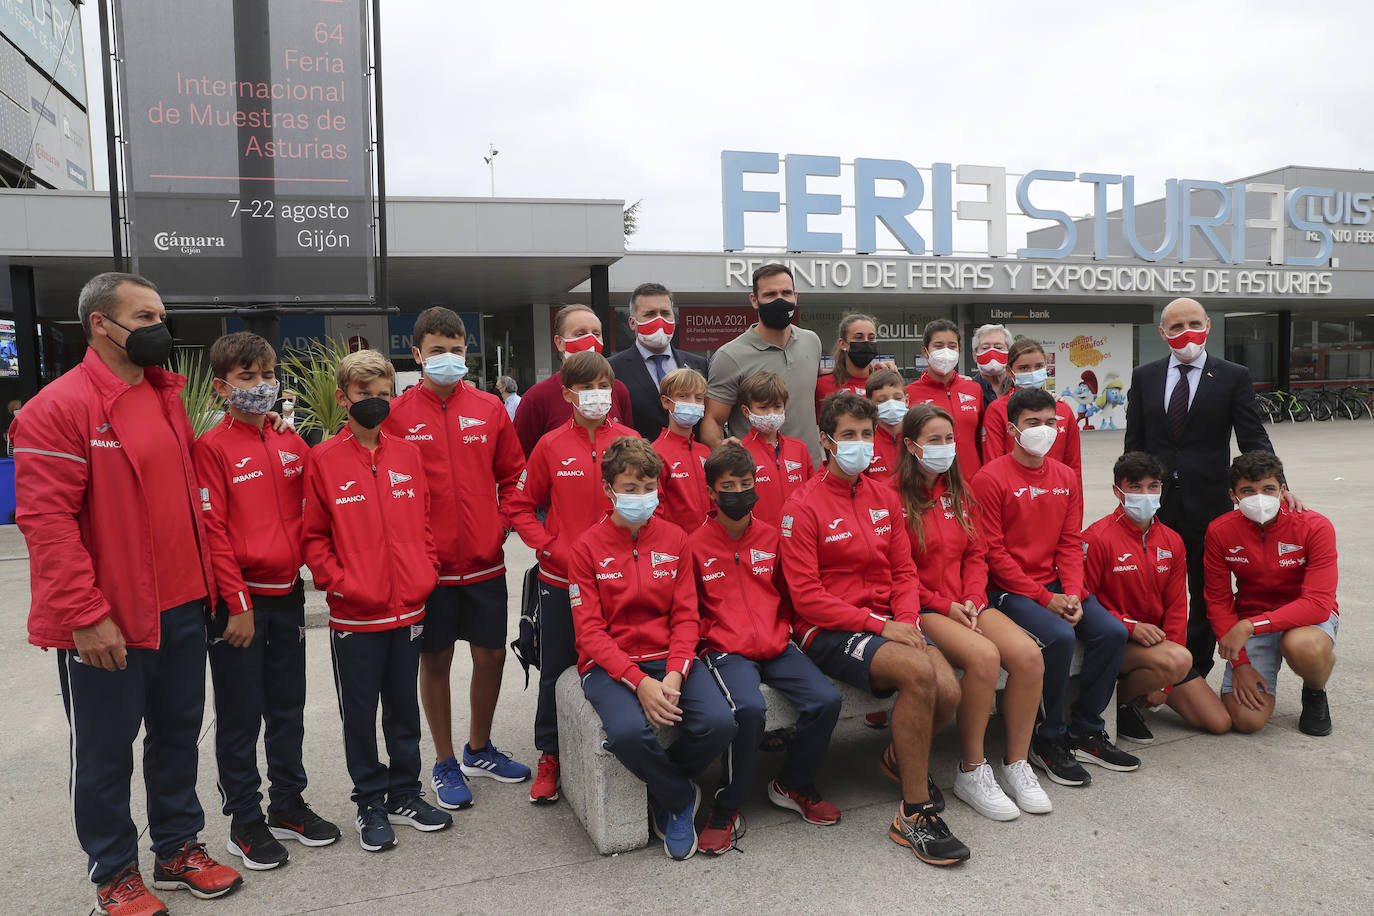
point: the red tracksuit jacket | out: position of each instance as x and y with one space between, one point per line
682 497
825 387
563 474
633 599
778 472
1067 448
1285 572
542 410
886 454
846 558
250 496
1032 520
744 608
952 565
963 398
82 509
1140 576
367 537
472 463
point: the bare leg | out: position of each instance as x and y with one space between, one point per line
908 670
979 660
487 666
436 700
1025 668
1145 669
1200 707
1311 655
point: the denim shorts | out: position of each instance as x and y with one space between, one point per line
1264 653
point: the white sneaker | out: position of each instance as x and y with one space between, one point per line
1022 785
980 791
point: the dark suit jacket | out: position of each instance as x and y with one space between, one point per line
1197 464
649 416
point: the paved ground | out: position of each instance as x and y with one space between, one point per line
1275 822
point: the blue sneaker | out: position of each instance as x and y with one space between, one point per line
374 830
677 829
417 813
450 787
491 762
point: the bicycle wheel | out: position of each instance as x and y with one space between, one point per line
1268 408
1351 408
1320 409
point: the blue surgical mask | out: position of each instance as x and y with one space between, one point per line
890 412
1033 379
446 369
937 458
1140 507
636 508
853 457
256 400
685 413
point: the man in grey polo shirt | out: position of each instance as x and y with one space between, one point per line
772 344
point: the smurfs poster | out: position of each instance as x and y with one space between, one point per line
1089 367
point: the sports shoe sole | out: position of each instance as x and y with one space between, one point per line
406 820
490 774
994 814
901 840
1085 757
782 801
381 848
178 884
286 833
544 799
252 864
162 912
1320 732
1041 765
1133 739
461 806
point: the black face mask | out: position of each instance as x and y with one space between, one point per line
862 352
737 505
147 346
777 314
370 412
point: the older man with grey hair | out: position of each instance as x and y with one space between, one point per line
508 389
990 345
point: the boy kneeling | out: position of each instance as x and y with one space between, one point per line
634 608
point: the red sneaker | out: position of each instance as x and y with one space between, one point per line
544 791
876 719
723 828
192 869
806 801
125 895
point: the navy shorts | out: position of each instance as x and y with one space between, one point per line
474 613
847 656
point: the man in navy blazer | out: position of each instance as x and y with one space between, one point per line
642 366
1189 431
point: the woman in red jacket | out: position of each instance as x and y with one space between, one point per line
852 358
1027 363
942 529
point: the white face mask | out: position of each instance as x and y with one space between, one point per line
1038 440
891 412
1260 508
1140 507
853 457
688 414
767 423
937 458
943 360
594 403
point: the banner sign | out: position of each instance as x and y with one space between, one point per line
1089 366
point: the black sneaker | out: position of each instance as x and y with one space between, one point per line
298 822
1130 724
1095 747
256 846
1056 758
418 813
1316 714
926 835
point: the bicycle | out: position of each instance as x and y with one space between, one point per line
1269 407
1321 403
1290 405
1356 401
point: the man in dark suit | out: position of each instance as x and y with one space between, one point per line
1182 409
642 366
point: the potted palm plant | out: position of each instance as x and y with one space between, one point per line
198 396
309 373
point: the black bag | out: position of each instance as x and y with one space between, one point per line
526 643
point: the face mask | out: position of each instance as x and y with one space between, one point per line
862 352
1259 508
1038 440
587 341
853 457
1033 379
636 508
256 400
685 413
992 362
1140 507
147 346
1188 344
943 361
937 458
890 412
594 403
370 412
446 369
767 423
777 314
655 334
738 504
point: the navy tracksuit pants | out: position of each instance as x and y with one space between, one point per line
706 730
557 653
263 682
368 667
163 690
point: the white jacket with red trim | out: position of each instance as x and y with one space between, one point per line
473 462
740 593
1140 576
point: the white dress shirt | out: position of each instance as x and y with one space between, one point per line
1171 377
669 364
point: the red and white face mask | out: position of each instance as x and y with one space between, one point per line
585 342
1188 344
655 333
992 362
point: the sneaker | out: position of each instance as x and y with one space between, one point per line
190 868
450 788
544 790
1316 714
979 790
491 762
677 829
418 813
125 895
1056 758
928 837
1024 788
256 846
300 823
374 829
723 828
889 765
1130 724
806 801
877 719
1095 747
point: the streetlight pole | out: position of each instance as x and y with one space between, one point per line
490 159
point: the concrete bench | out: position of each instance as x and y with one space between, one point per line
608 801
